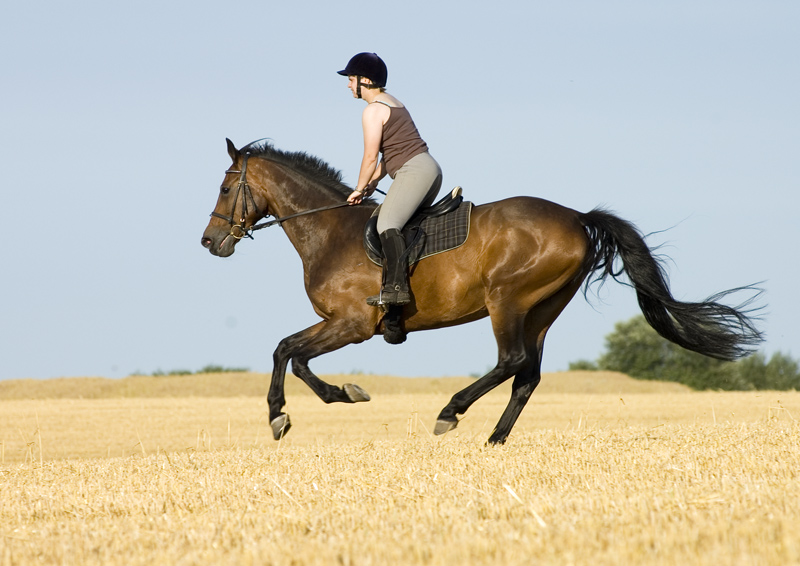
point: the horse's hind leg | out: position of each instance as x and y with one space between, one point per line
517 328
512 357
524 384
537 324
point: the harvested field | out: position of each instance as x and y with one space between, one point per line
184 471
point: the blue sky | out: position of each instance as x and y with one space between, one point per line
680 116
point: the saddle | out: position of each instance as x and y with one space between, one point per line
441 227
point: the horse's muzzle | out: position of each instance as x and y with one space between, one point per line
220 245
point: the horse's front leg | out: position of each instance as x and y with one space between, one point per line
319 339
280 359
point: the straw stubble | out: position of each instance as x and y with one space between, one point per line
584 479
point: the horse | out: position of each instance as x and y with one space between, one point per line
523 262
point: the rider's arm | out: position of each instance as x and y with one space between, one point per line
371 169
379 174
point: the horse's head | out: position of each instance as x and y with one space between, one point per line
236 210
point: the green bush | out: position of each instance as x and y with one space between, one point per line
211 368
583 365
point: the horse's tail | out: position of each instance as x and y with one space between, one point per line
709 327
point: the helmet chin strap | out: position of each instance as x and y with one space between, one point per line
359 84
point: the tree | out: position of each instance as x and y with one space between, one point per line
780 372
635 349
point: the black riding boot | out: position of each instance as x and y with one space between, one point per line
395 290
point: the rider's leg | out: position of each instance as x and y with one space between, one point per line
415 185
395 290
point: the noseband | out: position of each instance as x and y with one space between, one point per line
239 231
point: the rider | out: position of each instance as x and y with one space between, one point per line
417 177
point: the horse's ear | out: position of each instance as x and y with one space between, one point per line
232 151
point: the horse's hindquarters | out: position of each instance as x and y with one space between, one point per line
519 252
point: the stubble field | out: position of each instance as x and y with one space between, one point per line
600 469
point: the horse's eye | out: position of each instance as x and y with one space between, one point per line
224 190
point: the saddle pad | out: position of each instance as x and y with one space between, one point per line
434 235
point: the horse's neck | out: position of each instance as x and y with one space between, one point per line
290 192
312 234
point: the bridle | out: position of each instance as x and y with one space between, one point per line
238 230
244 189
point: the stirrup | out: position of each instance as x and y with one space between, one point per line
388 298
375 300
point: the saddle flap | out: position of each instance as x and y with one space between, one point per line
372 242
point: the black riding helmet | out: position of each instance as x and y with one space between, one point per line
367 65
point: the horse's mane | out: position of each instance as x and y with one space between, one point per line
300 161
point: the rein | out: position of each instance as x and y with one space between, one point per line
295 215
283 219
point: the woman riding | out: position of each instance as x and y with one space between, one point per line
417 177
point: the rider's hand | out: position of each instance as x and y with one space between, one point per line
356 197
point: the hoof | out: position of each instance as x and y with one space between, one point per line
355 393
280 426
444 426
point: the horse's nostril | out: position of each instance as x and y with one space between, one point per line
206 242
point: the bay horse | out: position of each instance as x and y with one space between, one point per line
524 260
